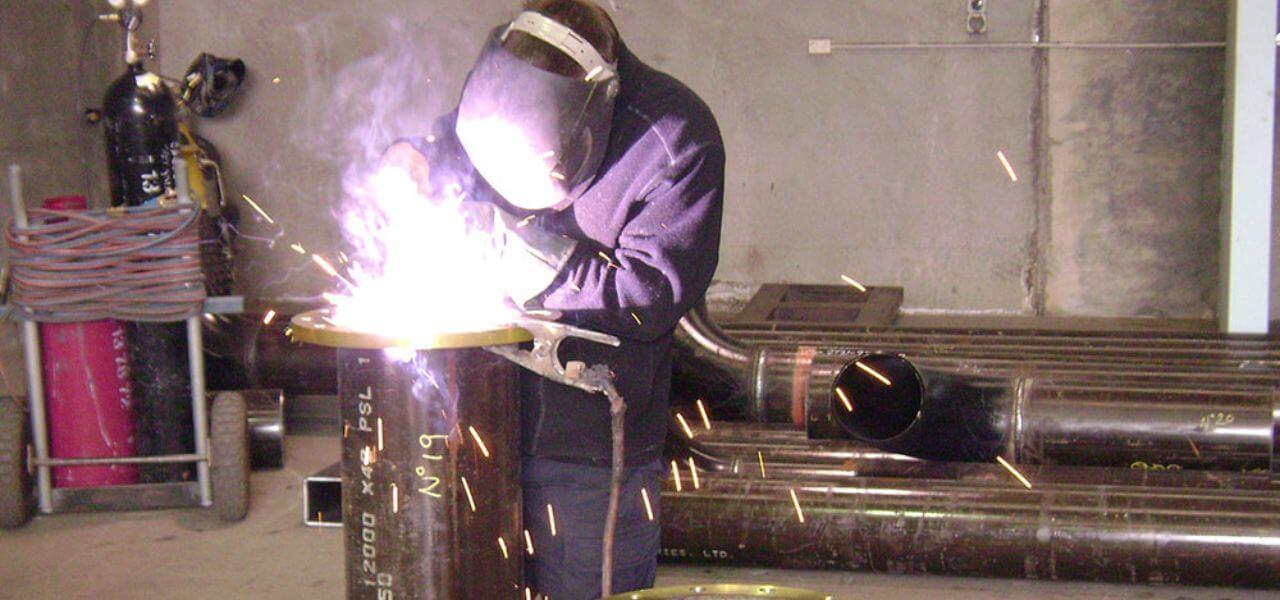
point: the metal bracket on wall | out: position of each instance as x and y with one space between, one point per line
976 21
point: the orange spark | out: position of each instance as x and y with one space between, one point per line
684 425
637 318
874 373
693 472
503 545
851 281
675 475
476 435
551 517
395 499
702 410
648 508
258 209
1008 168
844 399
760 455
379 433
1008 467
528 542
269 317
298 248
467 488
324 265
796 501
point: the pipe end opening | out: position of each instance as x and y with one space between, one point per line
876 397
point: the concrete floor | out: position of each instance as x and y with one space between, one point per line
188 554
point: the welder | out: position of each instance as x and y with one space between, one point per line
602 178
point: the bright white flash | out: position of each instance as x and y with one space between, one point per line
418 268
524 175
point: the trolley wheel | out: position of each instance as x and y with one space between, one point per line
229 456
15 479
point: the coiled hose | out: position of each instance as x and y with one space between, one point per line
131 264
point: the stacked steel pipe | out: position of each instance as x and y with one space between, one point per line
860 509
1148 458
1159 413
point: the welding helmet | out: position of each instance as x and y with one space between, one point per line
537 137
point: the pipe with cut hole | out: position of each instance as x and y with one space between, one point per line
948 414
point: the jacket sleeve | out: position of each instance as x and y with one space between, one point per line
664 260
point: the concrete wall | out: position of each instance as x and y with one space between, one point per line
308 109
54 63
1133 144
879 164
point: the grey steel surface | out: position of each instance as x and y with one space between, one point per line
199 408
119 460
145 496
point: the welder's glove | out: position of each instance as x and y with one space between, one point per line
411 159
530 257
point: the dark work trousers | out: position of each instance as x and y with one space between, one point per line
566 565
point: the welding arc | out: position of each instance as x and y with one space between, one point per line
133 264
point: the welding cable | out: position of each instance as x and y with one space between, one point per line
133 264
617 425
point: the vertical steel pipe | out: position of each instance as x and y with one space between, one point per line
431 501
35 374
199 405
424 504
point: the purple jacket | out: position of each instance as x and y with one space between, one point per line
649 236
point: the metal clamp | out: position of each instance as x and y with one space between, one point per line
544 357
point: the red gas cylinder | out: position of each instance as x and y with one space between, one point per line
87 392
